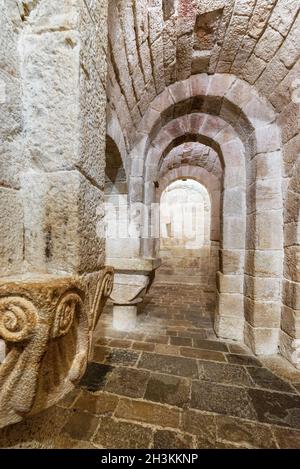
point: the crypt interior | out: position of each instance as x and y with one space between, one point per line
126 323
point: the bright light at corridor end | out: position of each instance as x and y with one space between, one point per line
180 216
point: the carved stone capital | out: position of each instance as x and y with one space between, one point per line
46 322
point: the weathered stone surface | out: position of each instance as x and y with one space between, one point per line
210 345
98 404
266 379
247 435
81 426
202 425
243 360
268 44
166 439
148 413
121 357
284 411
202 354
229 327
287 438
11 231
61 231
262 340
95 376
224 374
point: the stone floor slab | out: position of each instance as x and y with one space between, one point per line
276 408
148 412
116 434
243 433
96 376
224 373
166 439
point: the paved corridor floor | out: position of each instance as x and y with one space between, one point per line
172 384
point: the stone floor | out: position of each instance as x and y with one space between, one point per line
171 384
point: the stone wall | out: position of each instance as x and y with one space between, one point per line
64 118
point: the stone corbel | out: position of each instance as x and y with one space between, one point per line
46 323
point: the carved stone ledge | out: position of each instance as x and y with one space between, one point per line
46 323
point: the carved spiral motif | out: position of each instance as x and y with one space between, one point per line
65 313
18 318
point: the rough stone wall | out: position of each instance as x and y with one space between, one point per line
193 154
11 147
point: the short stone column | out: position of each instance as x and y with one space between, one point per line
45 320
133 278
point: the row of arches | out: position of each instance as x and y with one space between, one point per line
219 131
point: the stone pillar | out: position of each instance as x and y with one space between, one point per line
54 282
133 278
